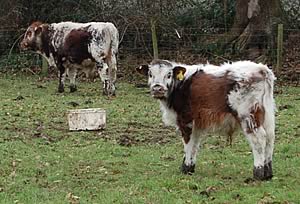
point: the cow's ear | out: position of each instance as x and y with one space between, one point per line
178 72
38 30
143 69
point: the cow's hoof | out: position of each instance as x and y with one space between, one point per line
73 88
104 92
185 169
259 173
268 172
108 93
61 89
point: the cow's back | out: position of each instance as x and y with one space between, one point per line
62 30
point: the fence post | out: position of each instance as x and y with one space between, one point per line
44 71
154 38
279 48
225 15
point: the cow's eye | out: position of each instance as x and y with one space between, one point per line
150 74
169 75
29 33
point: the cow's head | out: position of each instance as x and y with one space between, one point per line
162 76
33 37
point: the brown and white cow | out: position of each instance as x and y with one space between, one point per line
71 46
200 99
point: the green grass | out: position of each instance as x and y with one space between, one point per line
135 159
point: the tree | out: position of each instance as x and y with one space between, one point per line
254 26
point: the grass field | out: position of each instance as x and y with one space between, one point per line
135 159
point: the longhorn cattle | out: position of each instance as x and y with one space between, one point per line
72 46
200 99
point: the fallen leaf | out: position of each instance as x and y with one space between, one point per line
208 191
72 198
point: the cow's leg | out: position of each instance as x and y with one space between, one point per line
72 77
112 62
269 126
90 73
257 139
61 76
268 155
113 71
191 141
102 69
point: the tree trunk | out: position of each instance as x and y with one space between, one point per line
254 29
240 21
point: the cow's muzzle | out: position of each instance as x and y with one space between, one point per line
158 91
23 46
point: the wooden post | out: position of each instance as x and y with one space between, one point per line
225 16
279 49
154 38
44 71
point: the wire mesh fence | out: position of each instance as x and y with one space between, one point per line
183 45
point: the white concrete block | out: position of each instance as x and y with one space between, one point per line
87 119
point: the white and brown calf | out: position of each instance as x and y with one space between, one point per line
200 99
73 46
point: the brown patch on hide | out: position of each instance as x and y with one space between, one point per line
76 46
45 36
35 24
209 100
185 131
203 99
255 78
255 119
183 119
108 56
179 100
258 116
263 73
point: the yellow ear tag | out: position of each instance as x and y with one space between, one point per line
180 75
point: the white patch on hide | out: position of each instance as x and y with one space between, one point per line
169 116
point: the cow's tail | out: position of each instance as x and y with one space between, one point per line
269 102
114 40
114 45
